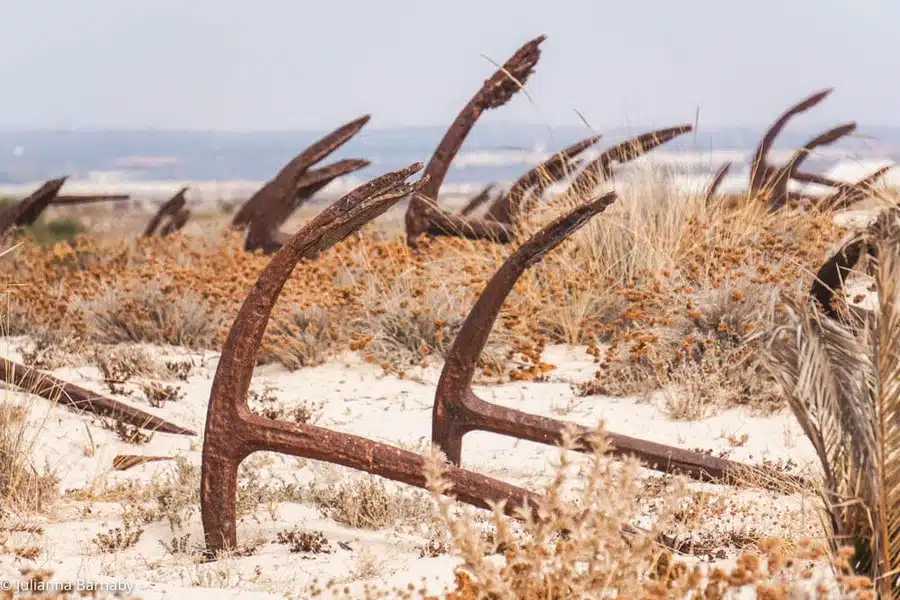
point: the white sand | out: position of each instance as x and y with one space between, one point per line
358 398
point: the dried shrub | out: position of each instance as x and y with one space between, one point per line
367 503
306 542
128 433
406 325
701 357
267 404
623 274
19 317
306 338
574 547
179 545
152 312
159 394
172 496
180 369
50 349
120 364
28 552
540 561
118 539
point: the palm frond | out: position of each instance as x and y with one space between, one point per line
842 382
886 352
821 367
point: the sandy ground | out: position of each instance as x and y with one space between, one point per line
357 398
353 396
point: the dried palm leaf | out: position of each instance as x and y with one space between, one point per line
843 385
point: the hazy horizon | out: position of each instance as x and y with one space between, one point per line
274 66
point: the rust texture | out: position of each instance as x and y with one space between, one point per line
310 183
509 206
600 169
772 182
263 236
168 209
534 196
804 177
233 432
831 276
759 167
443 223
495 92
777 185
285 182
477 201
847 194
176 222
715 182
829 279
75 397
457 410
26 211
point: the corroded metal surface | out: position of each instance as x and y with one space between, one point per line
75 397
233 431
830 278
600 169
759 167
715 182
457 410
495 92
77 199
264 230
168 209
779 180
270 240
26 211
285 182
506 208
829 282
771 182
176 222
314 180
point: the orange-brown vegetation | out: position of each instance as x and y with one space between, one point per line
644 287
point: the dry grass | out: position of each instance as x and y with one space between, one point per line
663 289
573 547
267 404
404 325
305 338
701 358
633 280
306 542
541 562
121 363
24 486
150 312
366 502
50 349
595 559
118 539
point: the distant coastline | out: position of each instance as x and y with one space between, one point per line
227 166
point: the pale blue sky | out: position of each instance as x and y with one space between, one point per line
279 64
